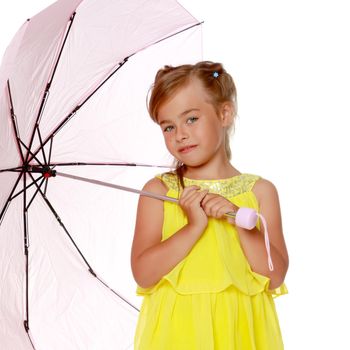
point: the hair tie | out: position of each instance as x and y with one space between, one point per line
215 74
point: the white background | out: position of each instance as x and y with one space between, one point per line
290 61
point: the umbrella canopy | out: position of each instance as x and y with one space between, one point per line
73 85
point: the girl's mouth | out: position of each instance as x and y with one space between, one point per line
187 149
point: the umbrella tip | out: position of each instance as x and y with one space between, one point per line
50 173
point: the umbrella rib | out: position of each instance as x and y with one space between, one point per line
4 211
28 186
42 147
75 245
71 19
29 152
169 36
76 108
14 121
61 224
17 169
7 203
113 291
30 339
26 249
47 91
45 187
26 253
74 111
36 192
50 153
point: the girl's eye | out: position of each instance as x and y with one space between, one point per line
191 120
168 128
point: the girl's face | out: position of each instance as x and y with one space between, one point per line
193 132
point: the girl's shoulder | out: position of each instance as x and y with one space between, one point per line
264 189
155 185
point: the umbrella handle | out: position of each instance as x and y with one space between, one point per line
244 217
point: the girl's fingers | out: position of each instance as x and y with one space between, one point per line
192 195
190 203
217 206
190 191
196 197
187 193
212 205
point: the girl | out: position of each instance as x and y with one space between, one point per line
206 282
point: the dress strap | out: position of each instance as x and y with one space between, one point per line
169 179
250 181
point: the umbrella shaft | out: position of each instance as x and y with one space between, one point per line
128 189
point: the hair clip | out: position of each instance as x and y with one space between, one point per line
215 74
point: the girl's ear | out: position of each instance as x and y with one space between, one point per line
227 113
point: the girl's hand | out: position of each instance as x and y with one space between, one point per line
217 206
190 203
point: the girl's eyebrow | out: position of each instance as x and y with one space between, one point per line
181 115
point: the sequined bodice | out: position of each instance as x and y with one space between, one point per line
229 187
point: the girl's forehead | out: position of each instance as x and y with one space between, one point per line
191 93
189 96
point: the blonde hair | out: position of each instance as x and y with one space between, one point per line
218 84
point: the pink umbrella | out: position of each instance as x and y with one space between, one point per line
73 85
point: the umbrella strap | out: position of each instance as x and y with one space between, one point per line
267 242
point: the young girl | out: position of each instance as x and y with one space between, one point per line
206 282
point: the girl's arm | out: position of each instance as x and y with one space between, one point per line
253 243
152 258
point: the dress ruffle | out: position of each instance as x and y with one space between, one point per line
257 284
208 321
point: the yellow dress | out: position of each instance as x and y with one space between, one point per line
211 300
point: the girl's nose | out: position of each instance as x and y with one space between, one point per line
181 134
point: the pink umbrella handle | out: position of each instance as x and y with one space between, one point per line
247 218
